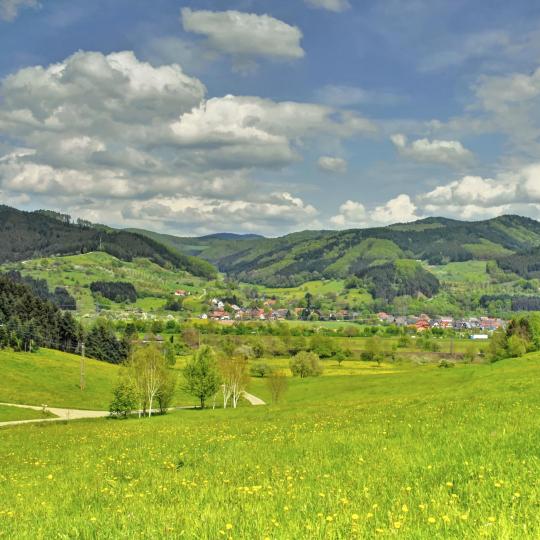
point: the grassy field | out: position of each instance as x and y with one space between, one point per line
8 414
409 451
52 378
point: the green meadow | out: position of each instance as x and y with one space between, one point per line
404 450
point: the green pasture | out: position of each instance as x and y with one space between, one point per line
406 451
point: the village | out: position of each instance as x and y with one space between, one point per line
229 313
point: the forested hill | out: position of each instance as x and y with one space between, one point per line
295 258
27 235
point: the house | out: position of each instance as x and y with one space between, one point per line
181 292
401 321
258 314
422 325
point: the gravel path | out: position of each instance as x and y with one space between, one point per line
254 400
78 414
60 414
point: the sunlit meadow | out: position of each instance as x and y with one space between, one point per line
421 452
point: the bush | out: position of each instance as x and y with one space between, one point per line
305 364
446 364
124 400
260 370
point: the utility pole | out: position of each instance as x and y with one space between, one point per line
82 381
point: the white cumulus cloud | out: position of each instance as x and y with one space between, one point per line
435 151
97 134
245 35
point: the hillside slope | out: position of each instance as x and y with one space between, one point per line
299 257
27 235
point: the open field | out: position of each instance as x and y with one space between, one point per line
52 377
409 451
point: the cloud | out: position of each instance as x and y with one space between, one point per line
99 133
460 49
253 131
435 151
331 5
400 209
9 9
351 214
332 164
475 197
346 96
277 210
245 36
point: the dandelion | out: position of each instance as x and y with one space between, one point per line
354 517
397 524
431 520
405 508
329 519
492 519
50 477
229 526
449 484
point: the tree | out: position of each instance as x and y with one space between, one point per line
234 376
148 371
517 346
305 364
165 394
277 385
373 350
170 353
498 346
124 399
201 375
324 346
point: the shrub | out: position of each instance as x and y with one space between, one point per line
260 370
124 400
446 364
305 364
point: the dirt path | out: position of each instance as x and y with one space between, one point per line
78 414
60 414
254 400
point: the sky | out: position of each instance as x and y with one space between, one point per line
270 116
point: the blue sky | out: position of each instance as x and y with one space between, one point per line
270 116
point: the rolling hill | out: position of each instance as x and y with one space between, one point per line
310 255
28 235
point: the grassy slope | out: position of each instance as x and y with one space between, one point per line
52 377
8 414
423 453
76 272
